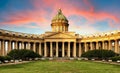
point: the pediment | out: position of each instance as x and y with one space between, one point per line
60 35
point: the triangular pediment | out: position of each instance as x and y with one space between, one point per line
60 35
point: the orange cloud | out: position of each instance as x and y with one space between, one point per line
90 15
40 13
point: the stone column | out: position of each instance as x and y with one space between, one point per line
91 46
56 49
106 45
0 48
80 50
74 50
40 50
63 49
13 45
103 45
116 46
22 45
109 45
85 47
51 50
97 45
68 49
34 47
45 49
16 45
28 45
9 46
3 48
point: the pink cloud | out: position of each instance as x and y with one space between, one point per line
25 17
91 7
39 14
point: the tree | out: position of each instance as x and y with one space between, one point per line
22 54
100 54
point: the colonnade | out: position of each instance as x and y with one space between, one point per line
113 45
7 45
59 49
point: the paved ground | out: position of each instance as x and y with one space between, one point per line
115 63
3 64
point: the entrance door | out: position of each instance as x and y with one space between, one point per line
60 52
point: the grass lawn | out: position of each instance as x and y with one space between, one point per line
61 67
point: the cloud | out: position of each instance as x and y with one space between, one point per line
44 10
24 17
91 7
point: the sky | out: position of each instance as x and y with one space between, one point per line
84 16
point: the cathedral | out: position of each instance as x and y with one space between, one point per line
60 42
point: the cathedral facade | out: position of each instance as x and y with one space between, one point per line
59 42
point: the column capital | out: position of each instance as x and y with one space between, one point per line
22 41
56 41
69 42
51 41
103 40
34 42
9 40
85 42
116 39
91 42
16 40
97 41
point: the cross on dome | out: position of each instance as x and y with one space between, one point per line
59 11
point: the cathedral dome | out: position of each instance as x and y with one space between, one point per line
59 17
59 23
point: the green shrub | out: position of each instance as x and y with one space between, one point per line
31 54
14 54
99 54
115 58
2 58
22 54
7 58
